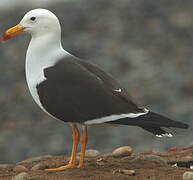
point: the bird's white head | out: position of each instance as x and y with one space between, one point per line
37 22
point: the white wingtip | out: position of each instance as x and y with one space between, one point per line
118 90
162 135
158 135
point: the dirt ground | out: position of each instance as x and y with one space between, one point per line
147 166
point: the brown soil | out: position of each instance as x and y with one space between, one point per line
147 166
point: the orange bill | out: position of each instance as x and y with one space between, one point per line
18 29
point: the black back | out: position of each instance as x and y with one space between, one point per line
77 91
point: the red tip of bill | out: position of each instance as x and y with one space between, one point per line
5 37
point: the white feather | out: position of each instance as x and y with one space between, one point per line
115 117
118 90
162 135
38 58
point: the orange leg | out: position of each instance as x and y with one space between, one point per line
83 140
72 162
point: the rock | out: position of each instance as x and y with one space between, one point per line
19 168
90 153
107 154
21 176
38 166
150 158
125 171
188 175
122 151
100 162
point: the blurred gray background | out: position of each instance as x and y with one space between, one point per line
146 45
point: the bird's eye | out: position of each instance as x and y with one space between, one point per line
32 18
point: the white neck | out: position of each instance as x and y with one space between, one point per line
43 51
45 43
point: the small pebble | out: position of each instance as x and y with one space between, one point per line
122 151
90 153
100 162
188 175
107 154
38 166
125 171
21 176
19 169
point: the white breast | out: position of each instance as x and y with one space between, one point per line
34 75
37 59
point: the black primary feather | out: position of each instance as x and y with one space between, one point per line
152 122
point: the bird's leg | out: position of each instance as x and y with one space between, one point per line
75 145
83 140
72 161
